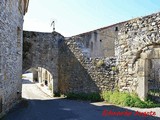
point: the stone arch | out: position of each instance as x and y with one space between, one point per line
41 50
150 54
144 48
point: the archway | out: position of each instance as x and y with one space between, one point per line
149 72
41 50
41 77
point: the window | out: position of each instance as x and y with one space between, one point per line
116 28
91 46
18 37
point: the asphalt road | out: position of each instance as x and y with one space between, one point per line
39 106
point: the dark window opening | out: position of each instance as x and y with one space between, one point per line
95 35
135 33
116 28
100 40
91 46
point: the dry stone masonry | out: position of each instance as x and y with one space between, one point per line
11 28
83 74
124 56
41 50
138 53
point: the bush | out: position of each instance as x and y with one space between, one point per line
116 97
126 99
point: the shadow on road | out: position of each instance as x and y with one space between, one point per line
26 81
63 109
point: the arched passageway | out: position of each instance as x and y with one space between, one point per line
40 50
41 77
149 74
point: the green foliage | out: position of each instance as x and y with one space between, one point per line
114 69
116 97
93 97
100 63
126 99
23 76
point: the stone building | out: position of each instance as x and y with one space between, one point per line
99 42
86 61
123 55
11 34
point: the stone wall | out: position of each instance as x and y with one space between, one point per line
86 61
11 27
138 44
78 73
41 50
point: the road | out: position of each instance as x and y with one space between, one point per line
38 106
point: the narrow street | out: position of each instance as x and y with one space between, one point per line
39 106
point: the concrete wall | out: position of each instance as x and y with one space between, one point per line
11 27
99 43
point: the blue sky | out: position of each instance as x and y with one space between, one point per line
77 16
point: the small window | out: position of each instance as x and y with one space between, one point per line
95 35
100 40
18 37
91 46
116 28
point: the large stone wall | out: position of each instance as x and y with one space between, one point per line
90 62
86 61
41 50
11 27
138 44
80 74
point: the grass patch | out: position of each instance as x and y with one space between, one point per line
23 76
126 99
116 97
93 97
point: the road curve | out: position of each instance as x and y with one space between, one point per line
39 106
